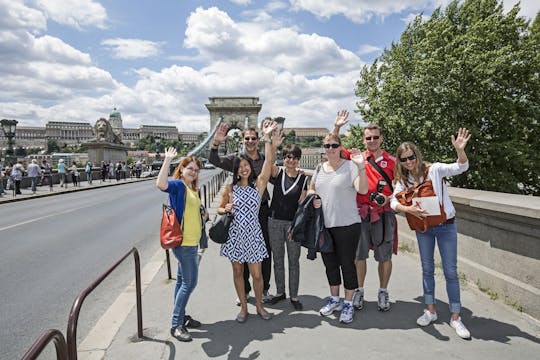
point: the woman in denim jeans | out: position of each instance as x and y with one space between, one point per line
184 199
410 172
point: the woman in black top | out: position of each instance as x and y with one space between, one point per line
290 187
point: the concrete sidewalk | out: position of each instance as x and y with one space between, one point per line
498 331
42 191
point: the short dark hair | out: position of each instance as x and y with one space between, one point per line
293 150
250 129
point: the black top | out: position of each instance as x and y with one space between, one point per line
287 192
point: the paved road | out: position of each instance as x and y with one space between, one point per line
54 247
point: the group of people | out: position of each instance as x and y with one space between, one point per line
356 192
111 170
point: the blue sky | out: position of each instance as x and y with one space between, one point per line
158 61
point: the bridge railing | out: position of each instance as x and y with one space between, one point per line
50 335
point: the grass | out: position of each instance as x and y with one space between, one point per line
404 247
492 294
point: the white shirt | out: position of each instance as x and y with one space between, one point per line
437 171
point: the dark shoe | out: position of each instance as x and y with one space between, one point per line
181 334
297 305
191 323
266 316
278 298
241 318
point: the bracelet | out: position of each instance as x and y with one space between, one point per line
215 146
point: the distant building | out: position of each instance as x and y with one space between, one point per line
311 157
307 132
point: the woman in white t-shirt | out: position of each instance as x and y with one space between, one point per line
336 182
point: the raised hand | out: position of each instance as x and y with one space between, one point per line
357 157
221 133
268 128
277 138
170 153
462 138
341 118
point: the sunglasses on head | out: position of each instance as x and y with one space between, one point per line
333 146
376 137
404 159
252 138
291 157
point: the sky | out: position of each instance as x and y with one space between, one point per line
158 61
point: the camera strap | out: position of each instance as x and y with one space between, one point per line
381 171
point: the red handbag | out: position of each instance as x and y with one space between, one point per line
422 190
170 233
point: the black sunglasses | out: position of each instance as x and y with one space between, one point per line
252 138
404 159
333 146
369 138
291 157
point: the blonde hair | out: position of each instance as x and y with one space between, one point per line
332 136
400 172
185 161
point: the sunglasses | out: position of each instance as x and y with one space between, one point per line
291 157
404 159
369 138
252 138
333 146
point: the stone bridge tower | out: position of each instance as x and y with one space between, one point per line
237 111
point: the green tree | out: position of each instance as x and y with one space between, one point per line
52 146
470 65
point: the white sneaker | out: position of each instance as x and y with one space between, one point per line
383 303
331 306
358 299
347 313
461 330
427 318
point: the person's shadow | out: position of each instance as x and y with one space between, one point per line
227 336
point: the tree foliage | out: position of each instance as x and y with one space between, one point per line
470 65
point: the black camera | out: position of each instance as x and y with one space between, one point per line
377 196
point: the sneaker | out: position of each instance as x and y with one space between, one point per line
461 330
383 303
190 322
267 297
427 318
358 299
181 334
331 306
238 300
347 313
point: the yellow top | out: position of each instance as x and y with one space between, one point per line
192 219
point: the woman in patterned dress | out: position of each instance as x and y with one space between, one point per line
246 243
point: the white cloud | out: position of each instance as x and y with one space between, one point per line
528 8
241 2
132 48
75 13
14 15
368 49
361 11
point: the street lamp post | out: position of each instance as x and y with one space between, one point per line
9 127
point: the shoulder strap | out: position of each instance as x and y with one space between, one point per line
381 171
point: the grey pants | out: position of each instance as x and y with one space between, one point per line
277 230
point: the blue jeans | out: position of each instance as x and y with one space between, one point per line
446 237
34 182
186 280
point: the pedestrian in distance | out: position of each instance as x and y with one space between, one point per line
74 174
250 142
17 172
290 188
245 243
104 171
336 182
88 171
379 226
411 171
61 168
33 172
184 199
2 192
47 174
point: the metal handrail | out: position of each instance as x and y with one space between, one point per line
37 348
76 308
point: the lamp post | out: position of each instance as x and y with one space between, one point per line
280 121
9 127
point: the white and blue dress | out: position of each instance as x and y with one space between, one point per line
246 242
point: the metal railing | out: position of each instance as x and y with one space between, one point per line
50 335
75 309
